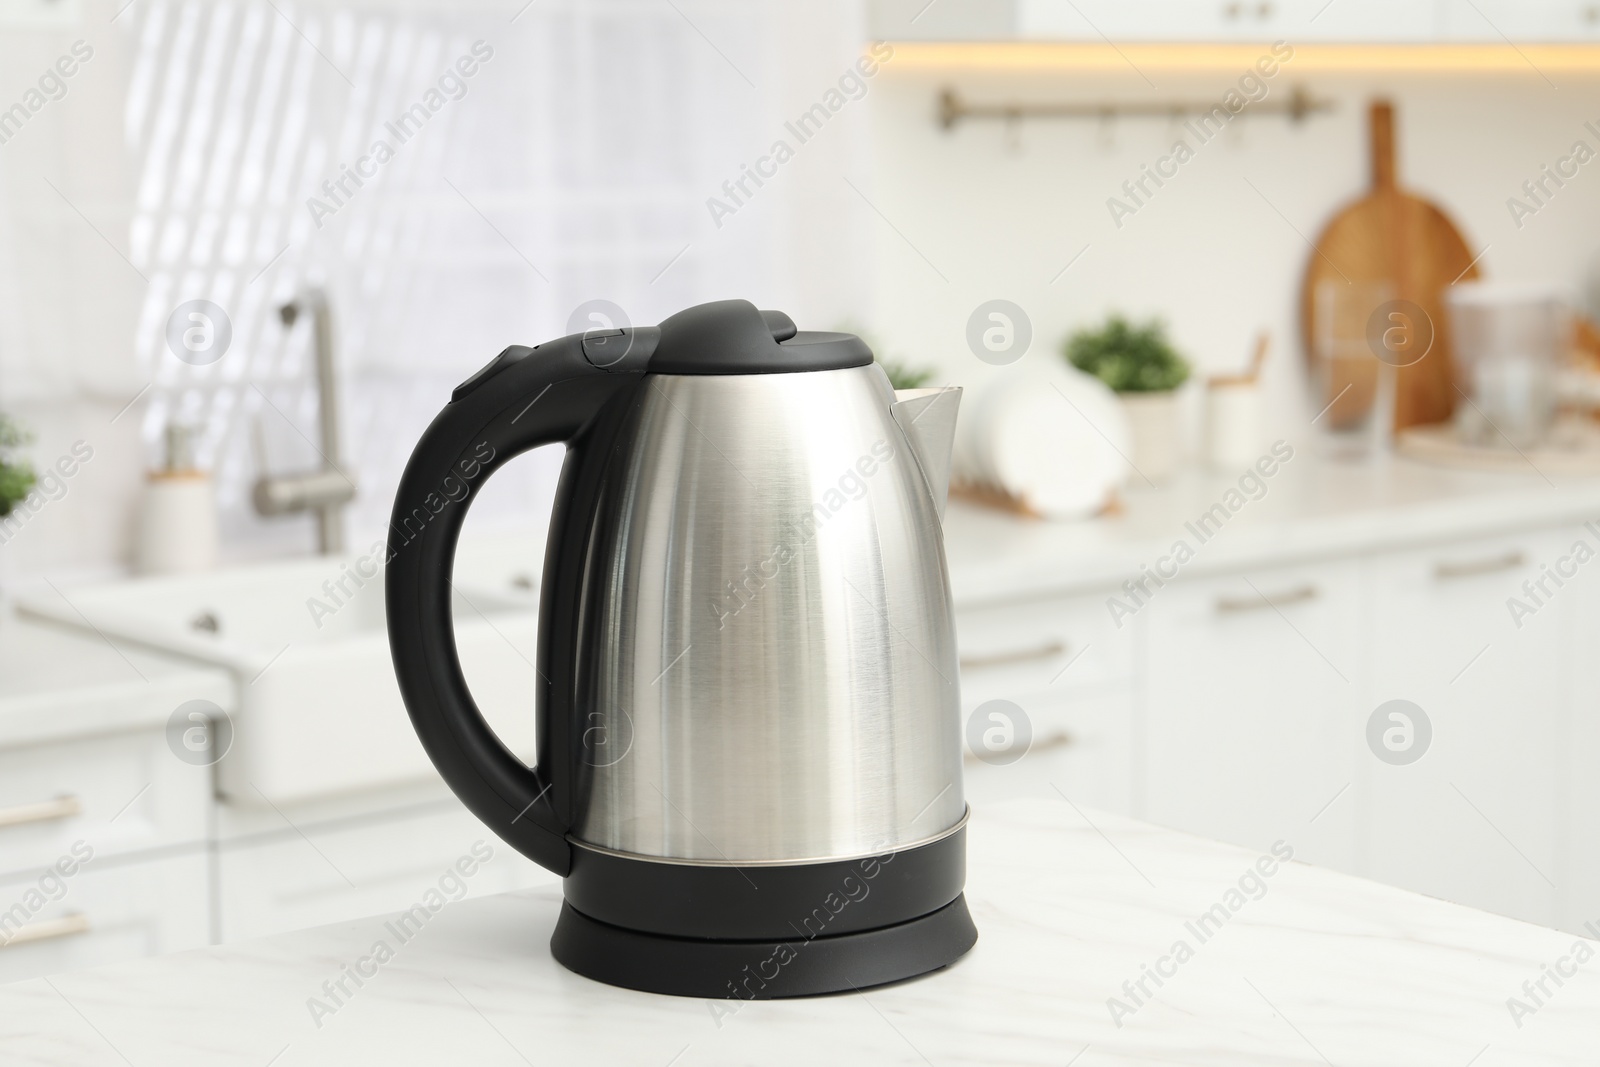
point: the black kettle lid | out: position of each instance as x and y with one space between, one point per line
735 337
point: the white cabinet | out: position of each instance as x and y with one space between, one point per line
1578 769
103 912
1230 21
1133 20
1070 672
1375 21
1034 646
155 864
318 874
1255 708
1262 21
118 793
102 853
1475 818
1238 707
1496 21
1082 749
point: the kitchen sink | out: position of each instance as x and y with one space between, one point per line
316 708
507 563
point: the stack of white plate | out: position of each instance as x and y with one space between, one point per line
1050 437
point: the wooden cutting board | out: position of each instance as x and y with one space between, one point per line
1389 239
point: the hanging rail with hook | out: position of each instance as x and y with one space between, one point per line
953 109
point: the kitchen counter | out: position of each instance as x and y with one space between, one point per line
1303 967
1310 506
57 684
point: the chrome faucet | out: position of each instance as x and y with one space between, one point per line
328 490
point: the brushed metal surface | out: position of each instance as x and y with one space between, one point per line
928 417
771 672
789 861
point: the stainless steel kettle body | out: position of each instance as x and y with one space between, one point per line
749 767
772 676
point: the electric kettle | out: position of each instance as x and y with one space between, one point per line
749 746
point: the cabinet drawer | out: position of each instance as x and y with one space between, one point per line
100 915
1578 876
119 793
1081 745
1477 818
288 881
1255 708
1031 647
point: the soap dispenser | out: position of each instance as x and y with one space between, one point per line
178 516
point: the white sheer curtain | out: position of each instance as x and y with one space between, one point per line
576 164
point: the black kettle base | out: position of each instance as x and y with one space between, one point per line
761 970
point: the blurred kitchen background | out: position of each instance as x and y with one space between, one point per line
235 757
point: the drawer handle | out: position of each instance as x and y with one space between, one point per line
42 811
1021 655
1233 605
45 930
1506 561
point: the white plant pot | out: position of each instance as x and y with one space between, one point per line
1153 425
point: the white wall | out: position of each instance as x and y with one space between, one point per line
1000 211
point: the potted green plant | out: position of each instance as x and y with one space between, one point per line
16 474
1143 368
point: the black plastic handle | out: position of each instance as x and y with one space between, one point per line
577 390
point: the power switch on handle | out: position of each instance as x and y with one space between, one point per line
605 347
499 363
620 351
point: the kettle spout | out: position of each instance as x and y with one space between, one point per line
928 419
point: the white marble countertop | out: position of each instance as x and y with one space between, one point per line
1311 968
57 683
1309 507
